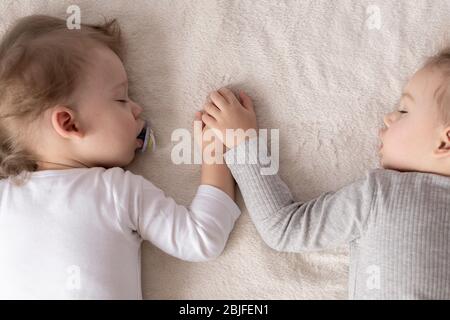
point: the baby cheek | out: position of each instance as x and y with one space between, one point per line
128 134
114 137
398 141
123 127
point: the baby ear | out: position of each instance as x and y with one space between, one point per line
64 123
444 143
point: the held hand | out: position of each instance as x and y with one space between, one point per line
211 147
225 111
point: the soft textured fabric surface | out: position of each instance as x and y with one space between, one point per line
320 71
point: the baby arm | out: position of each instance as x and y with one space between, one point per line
214 174
332 219
198 232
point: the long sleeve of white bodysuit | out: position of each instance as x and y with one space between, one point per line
195 233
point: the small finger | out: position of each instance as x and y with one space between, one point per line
212 110
218 99
209 120
198 117
246 100
228 94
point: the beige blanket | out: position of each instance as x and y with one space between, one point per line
323 72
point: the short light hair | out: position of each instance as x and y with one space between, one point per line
441 62
42 62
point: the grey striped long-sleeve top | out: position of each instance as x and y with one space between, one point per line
397 225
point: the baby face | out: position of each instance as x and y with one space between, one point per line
109 118
413 133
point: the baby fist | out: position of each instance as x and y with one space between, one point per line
234 119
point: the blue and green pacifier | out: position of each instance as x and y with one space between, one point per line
148 137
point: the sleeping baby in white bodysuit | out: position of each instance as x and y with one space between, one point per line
72 229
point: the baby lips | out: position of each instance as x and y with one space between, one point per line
148 138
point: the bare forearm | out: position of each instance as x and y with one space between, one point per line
219 176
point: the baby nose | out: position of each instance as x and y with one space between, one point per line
389 119
386 120
137 109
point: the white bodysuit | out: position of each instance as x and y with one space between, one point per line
76 233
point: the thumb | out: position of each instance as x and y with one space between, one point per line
198 117
246 101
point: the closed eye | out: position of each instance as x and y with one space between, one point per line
402 111
122 101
